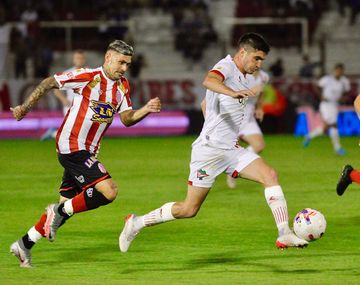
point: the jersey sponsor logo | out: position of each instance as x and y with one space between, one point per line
104 112
95 82
201 174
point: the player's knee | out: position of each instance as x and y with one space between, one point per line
110 192
113 192
271 177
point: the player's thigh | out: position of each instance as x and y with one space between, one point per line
83 168
329 113
259 171
238 159
206 164
68 188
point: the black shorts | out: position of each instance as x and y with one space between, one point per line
82 171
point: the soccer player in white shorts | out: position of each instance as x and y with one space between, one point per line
251 132
216 150
333 88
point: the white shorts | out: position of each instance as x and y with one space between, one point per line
209 162
329 112
250 128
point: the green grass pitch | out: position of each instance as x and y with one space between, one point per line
231 241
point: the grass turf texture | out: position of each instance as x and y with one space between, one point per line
231 241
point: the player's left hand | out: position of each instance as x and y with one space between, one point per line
154 105
259 114
19 112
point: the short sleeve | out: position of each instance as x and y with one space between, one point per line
126 103
73 79
223 68
322 82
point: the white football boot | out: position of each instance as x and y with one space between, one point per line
128 233
22 253
290 240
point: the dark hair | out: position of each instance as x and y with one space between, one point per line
121 47
255 41
339 65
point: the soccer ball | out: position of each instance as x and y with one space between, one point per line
309 224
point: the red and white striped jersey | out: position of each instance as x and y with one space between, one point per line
97 99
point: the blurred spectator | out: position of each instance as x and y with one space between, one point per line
138 62
307 69
277 68
5 29
43 58
355 9
20 49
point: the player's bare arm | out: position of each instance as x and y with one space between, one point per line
62 98
131 117
259 113
214 82
47 84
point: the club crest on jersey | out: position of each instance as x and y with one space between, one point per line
104 111
201 174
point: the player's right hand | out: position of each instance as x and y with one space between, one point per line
19 112
243 93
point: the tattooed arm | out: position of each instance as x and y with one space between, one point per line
47 84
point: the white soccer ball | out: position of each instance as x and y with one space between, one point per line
309 224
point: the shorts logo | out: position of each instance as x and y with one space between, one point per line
104 111
102 168
89 192
80 178
201 173
90 161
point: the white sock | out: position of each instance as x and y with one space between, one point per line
68 208
335 139
315 133
160 215
250 148
34 235
277 203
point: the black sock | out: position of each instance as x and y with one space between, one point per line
28 243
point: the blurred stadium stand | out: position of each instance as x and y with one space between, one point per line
180 41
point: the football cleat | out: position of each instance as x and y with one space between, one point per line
128 233
53 221
22 253
231 182
290 240
344 180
